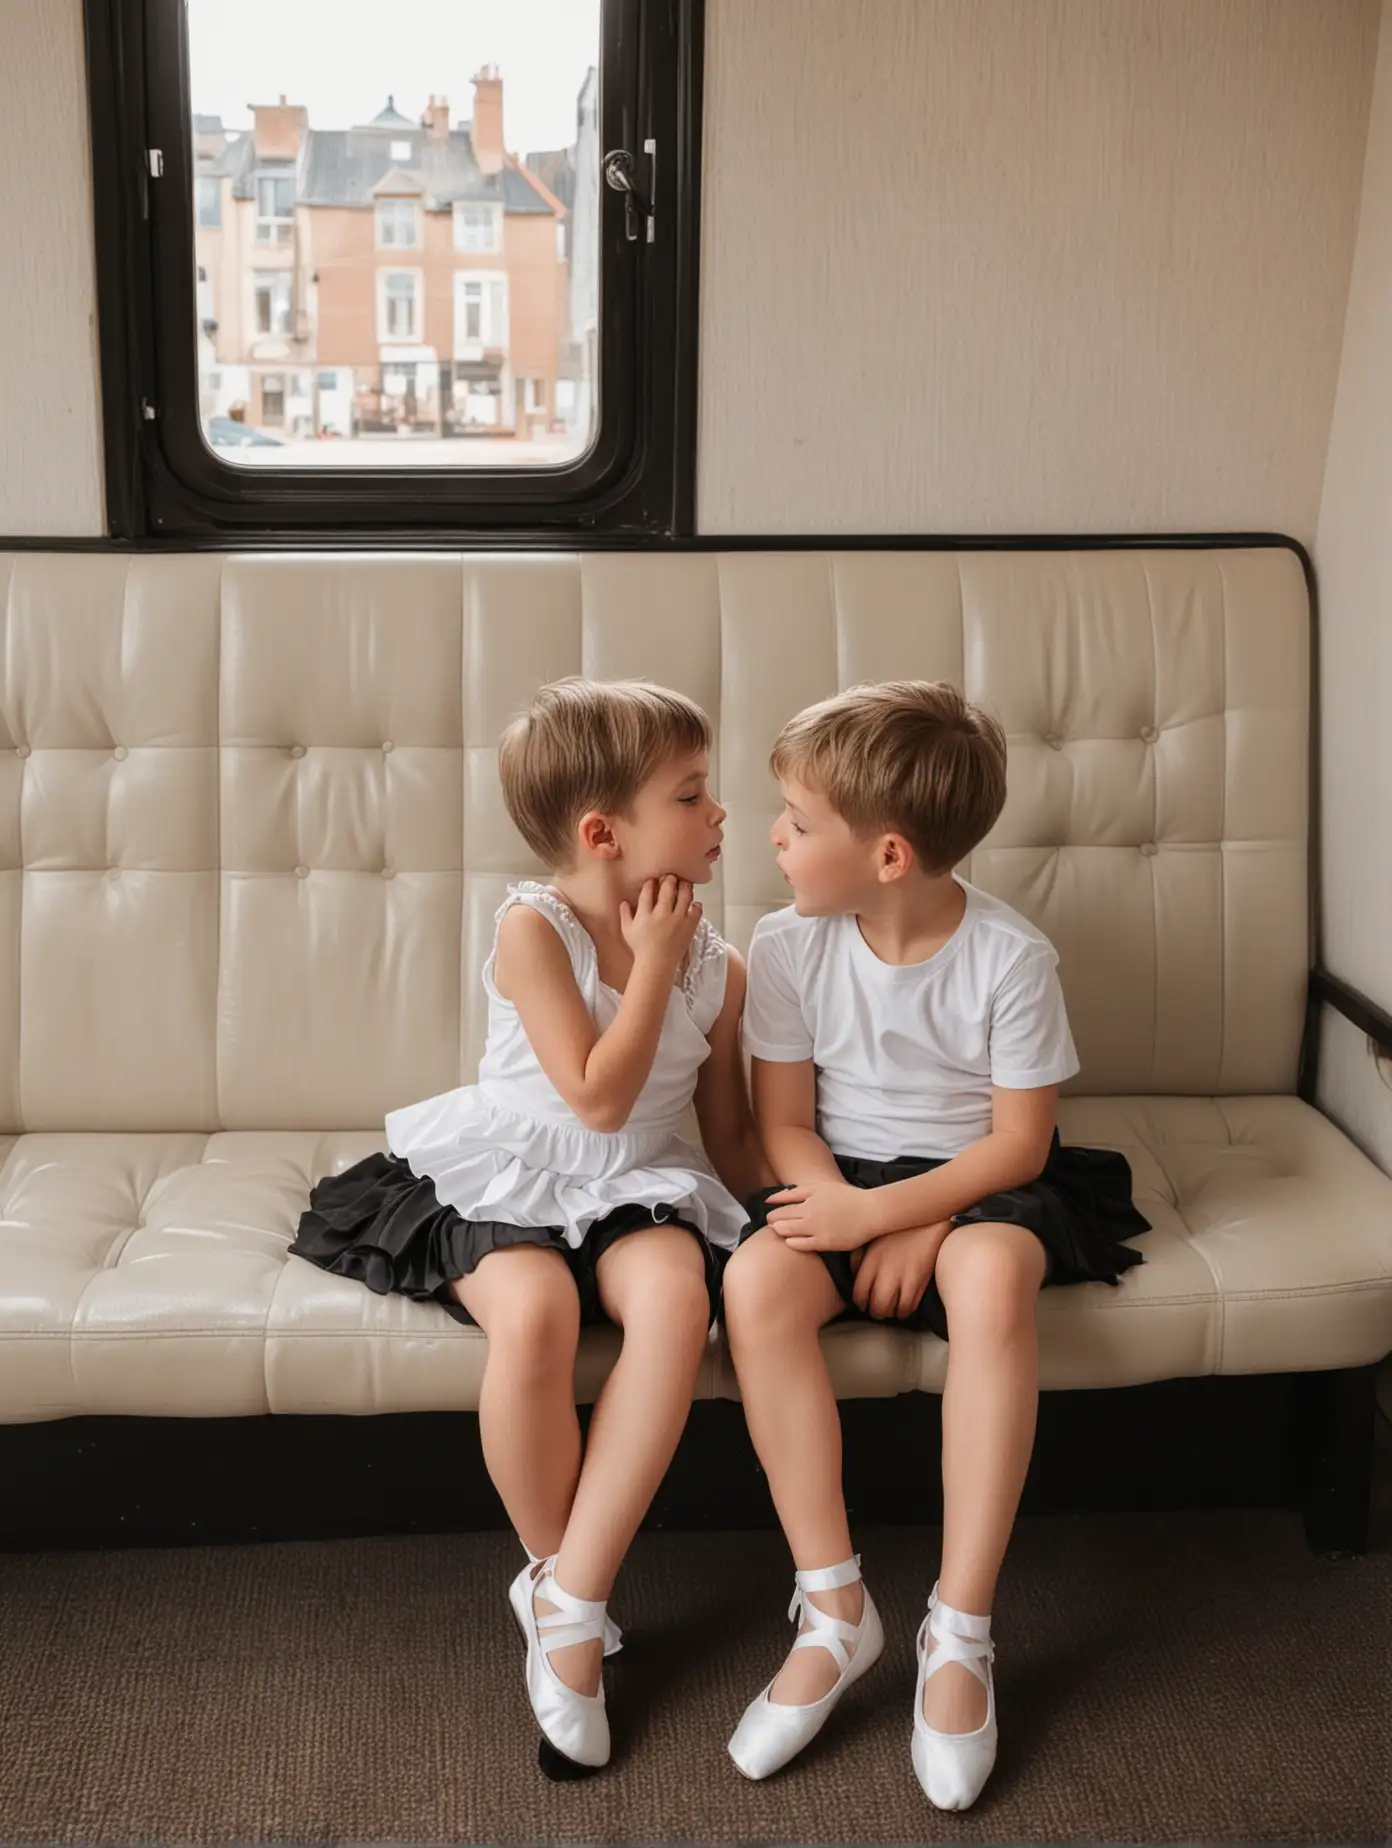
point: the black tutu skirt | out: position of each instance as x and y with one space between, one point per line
380 1224
1079 1208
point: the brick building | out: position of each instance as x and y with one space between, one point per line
398 277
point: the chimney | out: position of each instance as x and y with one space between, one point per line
436 120
279 129
487 131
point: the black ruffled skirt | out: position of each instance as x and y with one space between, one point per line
1079 1208
380 1224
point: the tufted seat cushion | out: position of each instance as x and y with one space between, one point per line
251 841
149 1274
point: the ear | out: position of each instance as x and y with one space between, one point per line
894 857
596 836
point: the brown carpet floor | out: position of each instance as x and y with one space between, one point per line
1174 1678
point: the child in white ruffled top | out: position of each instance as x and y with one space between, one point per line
557 1189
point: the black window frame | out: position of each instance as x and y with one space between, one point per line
635 485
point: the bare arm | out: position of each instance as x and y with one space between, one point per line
1013 1153
722 1101
600 1075
785 1109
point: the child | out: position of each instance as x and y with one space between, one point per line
908 1036
556 1190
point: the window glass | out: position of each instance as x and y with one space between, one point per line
304 197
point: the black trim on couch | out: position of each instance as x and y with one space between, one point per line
1301 1442
448 539
1366 1015
1326 990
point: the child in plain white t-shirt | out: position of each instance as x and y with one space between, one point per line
908 1036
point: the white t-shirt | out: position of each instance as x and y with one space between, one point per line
907 1055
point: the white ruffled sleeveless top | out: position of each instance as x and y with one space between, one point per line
510 1148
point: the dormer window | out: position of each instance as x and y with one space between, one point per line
401 151
275 208
398 224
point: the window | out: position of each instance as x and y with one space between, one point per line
397 315
480 311
275 208
273 398
396 224
478 228
273 301
514 234
209 203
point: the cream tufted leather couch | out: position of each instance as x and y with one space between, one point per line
251 843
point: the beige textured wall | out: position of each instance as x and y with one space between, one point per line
1044 265
970 265
1353 557
50 449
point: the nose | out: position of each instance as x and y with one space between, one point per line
776 834
720 813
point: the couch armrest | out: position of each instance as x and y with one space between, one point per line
1366 1015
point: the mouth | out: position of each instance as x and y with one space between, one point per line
714 854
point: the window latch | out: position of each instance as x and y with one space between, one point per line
618 176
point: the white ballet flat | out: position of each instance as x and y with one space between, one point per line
771 1733
520 1591
952 1768
574 1727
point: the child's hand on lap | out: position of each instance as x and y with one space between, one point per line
893 1271
823 1216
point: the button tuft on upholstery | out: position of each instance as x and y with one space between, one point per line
387 745
302 872
22 750
120 753
389 872
1150 735
1149 849
1053 740
297 750
113 872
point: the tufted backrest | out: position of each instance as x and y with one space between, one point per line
251 838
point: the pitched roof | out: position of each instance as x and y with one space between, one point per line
398 180
391 117
345 167
238 161
555 168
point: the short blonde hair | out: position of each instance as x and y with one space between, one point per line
590 744
909 756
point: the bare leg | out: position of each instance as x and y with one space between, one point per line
525 1301
989 1278
653 1284
776 1302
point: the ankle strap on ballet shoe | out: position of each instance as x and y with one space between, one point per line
575 1620
961 1623
960 1636
827 1632
828 1578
